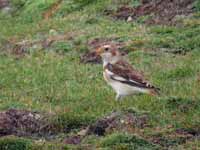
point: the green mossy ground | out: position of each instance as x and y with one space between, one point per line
54 81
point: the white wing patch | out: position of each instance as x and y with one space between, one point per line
134 81
114 76
121 79
109 72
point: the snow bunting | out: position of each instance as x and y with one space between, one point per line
121 76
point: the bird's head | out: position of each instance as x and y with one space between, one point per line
109 53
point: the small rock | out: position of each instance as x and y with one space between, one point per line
83 132
122 121
37 116
6 10
30 115
130 19
53 32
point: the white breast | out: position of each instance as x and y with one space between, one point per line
121 88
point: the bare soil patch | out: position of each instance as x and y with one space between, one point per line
75 140
4 3
19 122
135 123
118 121
91 57
21 48
115 121
158 12
24 123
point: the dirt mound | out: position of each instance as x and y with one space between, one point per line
91 57
4 3
119 121
96 43
22 123
115 121
134 122
157 12
73 140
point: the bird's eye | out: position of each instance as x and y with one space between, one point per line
106 49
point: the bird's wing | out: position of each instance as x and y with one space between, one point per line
125 73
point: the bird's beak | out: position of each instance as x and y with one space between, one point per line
99 51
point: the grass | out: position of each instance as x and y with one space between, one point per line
16 143
13 144
54 81
125 141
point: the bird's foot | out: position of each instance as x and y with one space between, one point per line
119 97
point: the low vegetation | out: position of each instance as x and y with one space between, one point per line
41 42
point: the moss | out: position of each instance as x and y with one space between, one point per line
181 38
126 141
71 121
49 82
34 9
12 143
197 5
18 3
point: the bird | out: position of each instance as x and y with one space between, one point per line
121 75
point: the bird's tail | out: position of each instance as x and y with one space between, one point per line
154 91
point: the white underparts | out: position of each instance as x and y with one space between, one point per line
122 89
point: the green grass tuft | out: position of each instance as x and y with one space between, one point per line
52 79
126 141
14 144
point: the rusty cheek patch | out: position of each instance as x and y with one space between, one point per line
113 53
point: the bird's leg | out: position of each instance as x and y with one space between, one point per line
118 97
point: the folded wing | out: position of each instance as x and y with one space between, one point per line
125 73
